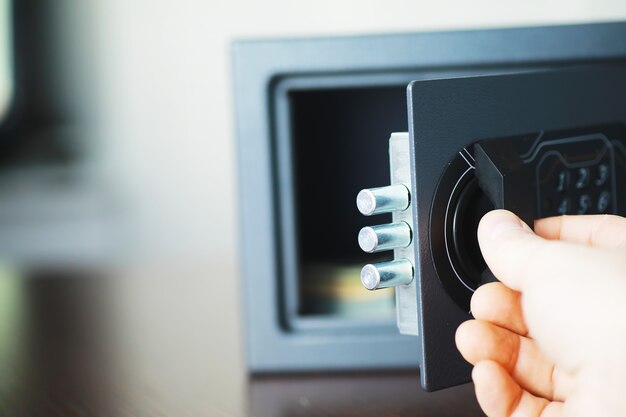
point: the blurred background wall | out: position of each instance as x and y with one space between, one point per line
165 124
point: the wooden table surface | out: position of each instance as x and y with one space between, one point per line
157 342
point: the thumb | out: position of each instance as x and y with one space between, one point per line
517 256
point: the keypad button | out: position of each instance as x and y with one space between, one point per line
584 204
582 179
562 182
564 206
603 175
603 201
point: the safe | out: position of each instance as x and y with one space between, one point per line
430 131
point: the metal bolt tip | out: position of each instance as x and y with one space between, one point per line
370 278
366 202
368 239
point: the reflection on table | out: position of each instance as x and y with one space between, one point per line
158 342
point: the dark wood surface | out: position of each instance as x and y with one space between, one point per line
146 343
394 394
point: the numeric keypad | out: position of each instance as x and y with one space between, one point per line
573 176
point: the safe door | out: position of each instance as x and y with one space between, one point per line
538 143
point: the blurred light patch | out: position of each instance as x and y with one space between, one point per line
6 57
12 325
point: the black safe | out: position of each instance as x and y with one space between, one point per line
529 119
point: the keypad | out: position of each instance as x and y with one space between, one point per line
569 184
568 172
589 193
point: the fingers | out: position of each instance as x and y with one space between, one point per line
520 356
500 396
593 230
518 256
496 303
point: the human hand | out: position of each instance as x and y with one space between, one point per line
550 339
